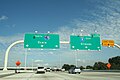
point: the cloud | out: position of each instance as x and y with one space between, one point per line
38 61
83 61
11 26
51 53
106 21
7 40
3 18
46 64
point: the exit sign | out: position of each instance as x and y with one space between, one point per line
91 42
44 41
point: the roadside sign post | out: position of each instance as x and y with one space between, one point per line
91 42
108 65
76 60
17 65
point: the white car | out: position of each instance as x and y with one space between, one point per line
40 70
77 70
74 70
63 70
47 69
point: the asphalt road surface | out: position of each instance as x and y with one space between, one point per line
64 76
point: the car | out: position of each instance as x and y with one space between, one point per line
47 69
74 70
63 70
58 69
54 69
40 70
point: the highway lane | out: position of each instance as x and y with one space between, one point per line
93 76
64 76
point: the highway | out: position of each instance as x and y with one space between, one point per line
64 76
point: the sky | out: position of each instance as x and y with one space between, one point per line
64 17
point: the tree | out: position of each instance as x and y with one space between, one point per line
72 66
99 66
81 67
89 67
115 62
66 66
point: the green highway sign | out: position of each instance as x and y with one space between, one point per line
91 42
44 41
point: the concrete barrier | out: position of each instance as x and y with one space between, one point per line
101 70
7 73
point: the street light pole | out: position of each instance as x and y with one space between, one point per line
60 60
32 64
76 59
25 59
81 32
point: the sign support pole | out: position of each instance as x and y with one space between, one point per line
26 59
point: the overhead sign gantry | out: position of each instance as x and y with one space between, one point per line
92 40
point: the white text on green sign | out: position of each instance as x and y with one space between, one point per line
49 41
